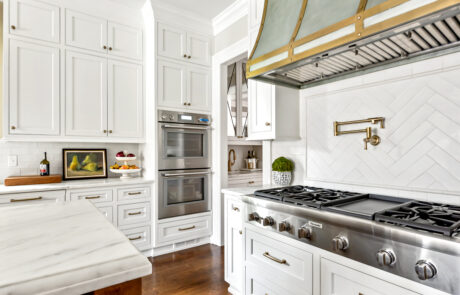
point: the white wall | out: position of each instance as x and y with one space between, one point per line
419 155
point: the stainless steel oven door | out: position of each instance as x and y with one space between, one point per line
184 146
183 192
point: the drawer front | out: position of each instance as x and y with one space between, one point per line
133 194
183 230
139 236
95 196
133 213
289 267
32 198
107 212
257 285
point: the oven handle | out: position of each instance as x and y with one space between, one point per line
186 127
184 174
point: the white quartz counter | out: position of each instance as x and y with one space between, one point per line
72 184
63 248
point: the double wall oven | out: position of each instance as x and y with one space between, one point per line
184 163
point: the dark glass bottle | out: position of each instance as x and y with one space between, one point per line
44 167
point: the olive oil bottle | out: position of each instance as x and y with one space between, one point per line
44 167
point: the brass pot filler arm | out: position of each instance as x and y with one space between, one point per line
372 139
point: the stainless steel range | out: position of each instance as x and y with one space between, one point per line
416 240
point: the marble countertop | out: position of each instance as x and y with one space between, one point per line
63 248
72 184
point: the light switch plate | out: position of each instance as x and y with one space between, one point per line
12 161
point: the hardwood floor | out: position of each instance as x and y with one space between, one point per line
198 270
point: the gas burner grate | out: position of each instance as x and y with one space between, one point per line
432 217
319 198
279 194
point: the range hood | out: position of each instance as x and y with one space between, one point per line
303 43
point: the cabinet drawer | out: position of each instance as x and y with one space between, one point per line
280 263
139 236
183 230
107 212
257 285
133 213
133 193
32 198
95 196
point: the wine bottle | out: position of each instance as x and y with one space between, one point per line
44 167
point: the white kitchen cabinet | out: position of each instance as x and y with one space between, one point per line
185 229
256 10
34 95
85 31
125 100
28 198
337 279
234 269
198 89
124 41
181 45
86 95
34 19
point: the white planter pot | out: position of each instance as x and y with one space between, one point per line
282 178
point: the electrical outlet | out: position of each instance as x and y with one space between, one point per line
13 161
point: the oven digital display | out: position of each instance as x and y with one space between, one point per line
186 118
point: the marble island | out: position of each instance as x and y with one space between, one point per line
64 248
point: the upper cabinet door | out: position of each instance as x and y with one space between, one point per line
33 89
171 84
86 95
87 32
125 41
34 19
125 103
172 42
261 110
198 89
198 49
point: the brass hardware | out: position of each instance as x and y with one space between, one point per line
136 238
135 213
251 182
105 131
13 27
105 47
241 232
267 124
110 131
187 228
236 209
92 198
189 57
133 194
280 261
230 161
372 139
189 104
13 127
25 200
185 103
185 55
110 48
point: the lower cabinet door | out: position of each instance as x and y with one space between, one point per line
337 279
107 212
140 236
234 246
258 285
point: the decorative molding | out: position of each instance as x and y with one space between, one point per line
230 15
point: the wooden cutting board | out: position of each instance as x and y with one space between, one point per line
32 179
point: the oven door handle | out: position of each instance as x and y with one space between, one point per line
184 174
185 127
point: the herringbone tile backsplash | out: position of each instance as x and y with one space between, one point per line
420 148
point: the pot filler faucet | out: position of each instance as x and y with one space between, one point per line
372 139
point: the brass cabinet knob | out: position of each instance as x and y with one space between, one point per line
105 47
13 127
189 104
13 27
110 131
267 124
105 131
185 55
110 48
189 57
185 103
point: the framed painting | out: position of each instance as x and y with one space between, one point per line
84 163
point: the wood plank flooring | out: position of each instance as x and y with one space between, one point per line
199 270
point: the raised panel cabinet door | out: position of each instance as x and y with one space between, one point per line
34 19
125 99
198 49
124 41
234 245
199 89
86 95
34 93
261 110
171 84
85 31
171 42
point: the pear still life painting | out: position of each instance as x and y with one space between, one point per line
84 163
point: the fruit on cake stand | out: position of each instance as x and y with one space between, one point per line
126 170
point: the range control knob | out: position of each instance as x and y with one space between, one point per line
386 257
284 226
425 270
171 117
305 232
254 217
340 243
268 221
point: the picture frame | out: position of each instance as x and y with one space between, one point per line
84 164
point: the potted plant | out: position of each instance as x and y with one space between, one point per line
282 171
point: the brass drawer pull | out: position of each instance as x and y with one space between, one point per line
251 182
25 200
133 194
280 261
13 27
187 228
135 213
241 232
267 124
136 238
92 198
236 209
